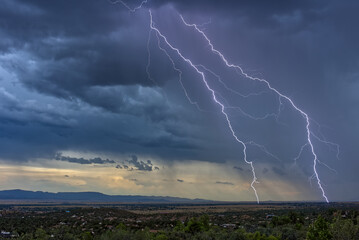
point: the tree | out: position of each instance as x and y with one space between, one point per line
344 230
319 230
86 236
41 234
258 236
193 226
198 225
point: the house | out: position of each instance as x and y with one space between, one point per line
229 225
5 234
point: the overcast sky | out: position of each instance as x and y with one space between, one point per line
90 100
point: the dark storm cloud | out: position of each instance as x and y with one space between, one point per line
24 113
73 77
77 62
261 8
316 43
98 45
262 14
96 160
309 51
140 165
96 56
135 164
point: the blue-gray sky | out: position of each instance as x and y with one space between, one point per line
79 112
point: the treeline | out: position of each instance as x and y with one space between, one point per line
293 226
287 227
194 229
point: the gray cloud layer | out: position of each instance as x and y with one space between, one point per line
79 82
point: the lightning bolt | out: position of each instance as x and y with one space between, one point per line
213 93
132 10
228 88
300 111
328 143
200 69
300 153
179 74
263 149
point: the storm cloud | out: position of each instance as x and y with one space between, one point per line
73 78
96 160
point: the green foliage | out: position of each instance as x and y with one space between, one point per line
198 225
259 236
344 230
121 226
298 226
86 236
27 236
319 230
40 234
161 237
179 227
117 235
195 229
109 224
239 234
280 220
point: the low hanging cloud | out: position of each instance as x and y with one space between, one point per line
224 183
96 160
238 168
135 164
130 165
140 165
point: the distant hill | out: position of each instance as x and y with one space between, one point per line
18 194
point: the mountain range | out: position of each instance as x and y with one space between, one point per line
18 194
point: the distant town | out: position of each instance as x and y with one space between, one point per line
54 220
